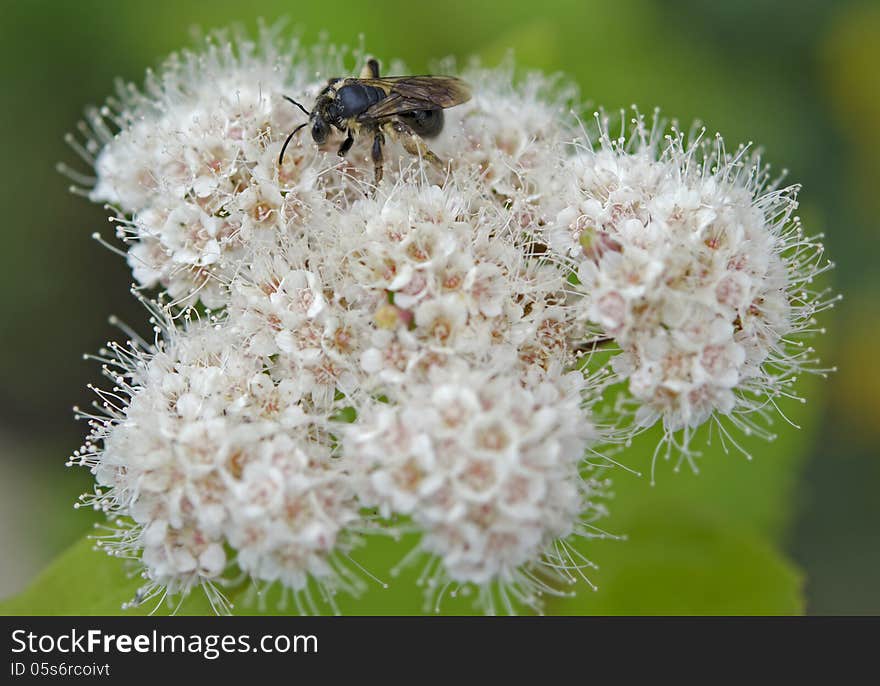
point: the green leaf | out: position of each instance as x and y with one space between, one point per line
680 561
702 543
676 561
383 595
749 495
83 581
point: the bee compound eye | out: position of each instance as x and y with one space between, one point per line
319 132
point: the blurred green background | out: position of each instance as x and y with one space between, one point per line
799 77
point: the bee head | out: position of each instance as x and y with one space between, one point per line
320 129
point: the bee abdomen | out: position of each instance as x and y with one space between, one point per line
353 99
426 123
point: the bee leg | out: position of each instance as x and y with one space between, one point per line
378 161
413 143
346 145
371 69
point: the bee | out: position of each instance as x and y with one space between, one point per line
406 108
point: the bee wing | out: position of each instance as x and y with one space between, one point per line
411 93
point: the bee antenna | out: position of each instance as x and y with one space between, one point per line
294 102
284 147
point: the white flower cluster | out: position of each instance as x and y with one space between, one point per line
204 446
193 173
486 464
693 262
333 358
